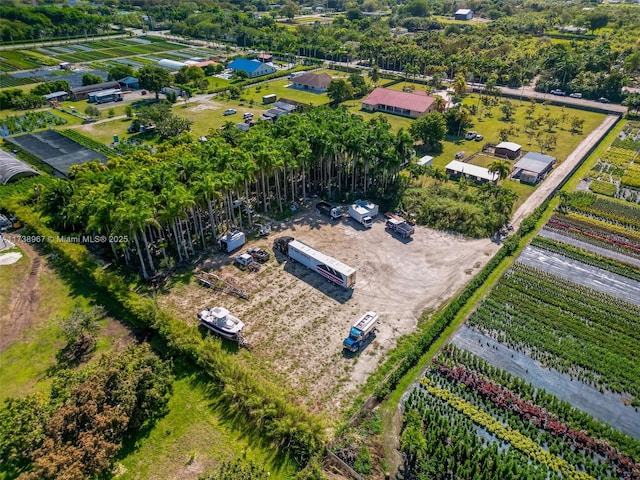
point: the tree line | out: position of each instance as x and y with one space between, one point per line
167 205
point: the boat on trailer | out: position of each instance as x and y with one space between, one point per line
221 322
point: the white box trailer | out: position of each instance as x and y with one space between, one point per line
232 241
328 267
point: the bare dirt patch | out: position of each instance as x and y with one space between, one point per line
296 320
23 305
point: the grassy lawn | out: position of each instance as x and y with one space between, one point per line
217 82
194 437
279 87
104 132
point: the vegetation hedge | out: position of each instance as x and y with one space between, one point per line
407 354
288 426
87 142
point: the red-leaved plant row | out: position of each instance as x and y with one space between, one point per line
625 467
610 239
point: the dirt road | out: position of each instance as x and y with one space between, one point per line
296 320
24 301
562 171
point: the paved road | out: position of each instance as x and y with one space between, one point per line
559 173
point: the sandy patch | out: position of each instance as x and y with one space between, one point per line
296 320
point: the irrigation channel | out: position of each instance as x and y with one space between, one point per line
603 252
607 407
593 277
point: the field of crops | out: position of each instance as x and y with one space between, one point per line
79 53
474 415
617 172
467 419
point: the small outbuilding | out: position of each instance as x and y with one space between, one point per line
265 58
129 83
60 96
510 150
457 170
463 14
426 161
533 167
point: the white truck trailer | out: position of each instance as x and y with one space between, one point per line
328 267
360 332
232 241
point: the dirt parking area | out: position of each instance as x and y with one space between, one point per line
296 320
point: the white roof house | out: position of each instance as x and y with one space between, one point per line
474 172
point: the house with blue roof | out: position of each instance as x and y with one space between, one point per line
253 68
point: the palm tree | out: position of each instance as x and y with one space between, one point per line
440 103
459 84
503 169
374 74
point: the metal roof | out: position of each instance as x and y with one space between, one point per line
415 101
246 65
514 147
11 167
535 162
57 94
473 170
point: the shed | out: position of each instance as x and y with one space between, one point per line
129 83
533 167
457 169
463 14
265 58
59 96
508 149
12 169
82 93
426 161
106 96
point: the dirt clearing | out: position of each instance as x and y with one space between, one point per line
296 320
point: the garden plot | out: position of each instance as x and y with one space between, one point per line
592 277
475 420
604 252
296 320
607 406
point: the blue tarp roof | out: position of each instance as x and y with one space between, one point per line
128 80
244 64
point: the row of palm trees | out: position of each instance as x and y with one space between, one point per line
176 201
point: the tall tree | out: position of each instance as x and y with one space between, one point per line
154 78
430 128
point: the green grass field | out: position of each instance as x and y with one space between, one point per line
279 87
195 436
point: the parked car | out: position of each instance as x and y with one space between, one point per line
479 138
230 111
575 95
247 115
459 155
558 92
258 254
603 100
470 135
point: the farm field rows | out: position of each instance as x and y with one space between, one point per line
558 330
617 171
479 421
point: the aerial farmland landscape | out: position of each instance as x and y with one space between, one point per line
332 240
